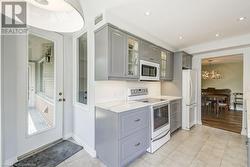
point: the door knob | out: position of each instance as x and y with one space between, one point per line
60 99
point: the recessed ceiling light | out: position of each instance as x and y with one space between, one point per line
241 18
180 37
217 35
147 13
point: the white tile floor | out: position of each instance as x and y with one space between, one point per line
201 147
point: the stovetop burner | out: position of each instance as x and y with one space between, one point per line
151 100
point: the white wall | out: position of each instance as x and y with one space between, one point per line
245 51
11 45
1 143
118 90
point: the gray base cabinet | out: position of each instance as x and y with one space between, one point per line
121 137
175 115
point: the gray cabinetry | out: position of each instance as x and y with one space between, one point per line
150 52
117 53
175 115
121 137
110 54
167 65
132 57
186 61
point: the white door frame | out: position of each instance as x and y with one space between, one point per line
245 51
25 142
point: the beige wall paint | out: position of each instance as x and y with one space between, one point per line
232 77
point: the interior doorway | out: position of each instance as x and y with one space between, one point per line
222 92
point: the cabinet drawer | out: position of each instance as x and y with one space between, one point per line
132 146
134 121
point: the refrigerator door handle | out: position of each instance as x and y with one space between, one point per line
190 90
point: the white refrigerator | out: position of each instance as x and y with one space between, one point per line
189 98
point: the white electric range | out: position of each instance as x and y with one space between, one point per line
160 116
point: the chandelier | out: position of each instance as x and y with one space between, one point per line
212 74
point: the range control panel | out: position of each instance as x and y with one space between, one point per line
137 92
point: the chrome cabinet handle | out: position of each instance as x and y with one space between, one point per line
137 120
136 145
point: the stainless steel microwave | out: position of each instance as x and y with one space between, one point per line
149 71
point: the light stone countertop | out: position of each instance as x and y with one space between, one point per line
122 106
168 98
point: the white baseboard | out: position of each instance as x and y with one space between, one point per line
67 136
243 132
10 162
87 148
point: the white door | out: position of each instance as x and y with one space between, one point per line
40 120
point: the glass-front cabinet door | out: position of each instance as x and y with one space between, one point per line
133 57
163 64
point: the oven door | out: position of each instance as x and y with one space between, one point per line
161 119
149 70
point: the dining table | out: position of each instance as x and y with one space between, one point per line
214 99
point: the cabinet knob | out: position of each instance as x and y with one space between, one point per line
136 145
137 120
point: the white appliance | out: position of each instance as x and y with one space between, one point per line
149 71
160 117
189 98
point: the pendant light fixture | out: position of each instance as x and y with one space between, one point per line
211 74
64 16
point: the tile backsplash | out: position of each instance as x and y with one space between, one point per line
118 90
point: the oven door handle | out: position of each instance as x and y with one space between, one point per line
161 136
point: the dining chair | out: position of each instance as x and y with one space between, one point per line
238 99
222 105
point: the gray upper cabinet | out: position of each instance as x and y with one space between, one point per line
110 54
150 52
117 53
167 67
132 57
186 61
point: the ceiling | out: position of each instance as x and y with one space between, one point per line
196 21
223 60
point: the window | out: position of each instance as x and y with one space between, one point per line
82 70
